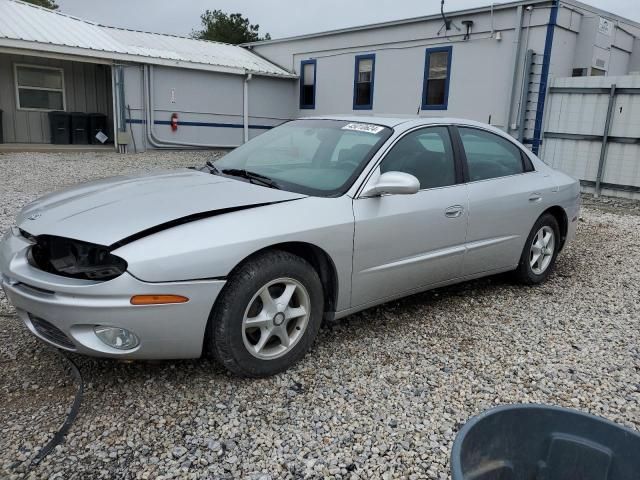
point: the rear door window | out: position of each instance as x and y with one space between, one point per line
489 155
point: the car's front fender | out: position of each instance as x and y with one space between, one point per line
211 248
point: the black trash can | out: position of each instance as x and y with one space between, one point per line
1 135
537 442
60 125
97 123
79 128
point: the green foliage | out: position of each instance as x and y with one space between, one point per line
229 28
50 4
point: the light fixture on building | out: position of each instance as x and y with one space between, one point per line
468 24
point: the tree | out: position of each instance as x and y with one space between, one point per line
50 4
229 28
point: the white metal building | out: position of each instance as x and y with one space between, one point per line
219 94
493 64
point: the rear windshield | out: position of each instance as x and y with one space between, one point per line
314 157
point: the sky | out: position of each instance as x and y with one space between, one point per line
281 18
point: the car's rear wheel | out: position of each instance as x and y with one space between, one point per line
540 251
268 314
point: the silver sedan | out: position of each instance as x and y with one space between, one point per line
316 219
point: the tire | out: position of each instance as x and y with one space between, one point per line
248 335
529 273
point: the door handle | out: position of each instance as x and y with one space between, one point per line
535 197
454 211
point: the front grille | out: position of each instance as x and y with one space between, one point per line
51 332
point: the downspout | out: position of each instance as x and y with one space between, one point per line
114 96
245 109
514 72
153 140
121 104
118 105
544 77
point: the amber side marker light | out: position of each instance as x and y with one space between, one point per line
157 299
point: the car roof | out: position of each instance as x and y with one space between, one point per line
394 121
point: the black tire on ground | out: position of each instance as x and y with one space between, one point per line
225 331
524 273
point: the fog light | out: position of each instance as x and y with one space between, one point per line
117 337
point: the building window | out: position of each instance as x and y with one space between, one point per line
363 82
308 84
437 73
597 72
579 72
39 88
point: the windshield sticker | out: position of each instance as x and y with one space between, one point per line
363 127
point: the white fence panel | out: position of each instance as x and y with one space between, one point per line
623 165
574 157
574 134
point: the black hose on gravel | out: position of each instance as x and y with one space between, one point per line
58 438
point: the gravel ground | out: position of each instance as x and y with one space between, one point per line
382 393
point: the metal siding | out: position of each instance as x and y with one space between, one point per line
563 53
400 62
77 88
618 62
272 100
82 91
7 99
623 165
622 39
201 134
634 60
209 105
133 95
399 79
585 114
574 157
90 87
198 92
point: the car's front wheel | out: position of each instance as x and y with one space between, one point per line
540 251
267 315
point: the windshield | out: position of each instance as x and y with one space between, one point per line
314 157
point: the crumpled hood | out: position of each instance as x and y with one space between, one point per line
107 211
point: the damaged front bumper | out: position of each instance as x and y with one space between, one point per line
63 311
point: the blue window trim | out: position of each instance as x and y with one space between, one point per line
425 84
369 56
312 105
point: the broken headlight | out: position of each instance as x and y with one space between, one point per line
75 259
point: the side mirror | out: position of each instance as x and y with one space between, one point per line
394 183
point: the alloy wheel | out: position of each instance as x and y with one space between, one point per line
542 250
276 318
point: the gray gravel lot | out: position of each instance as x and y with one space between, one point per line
382 393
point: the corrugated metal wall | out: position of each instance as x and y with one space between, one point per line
87 89
209 105
576 115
